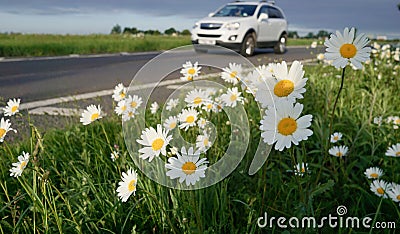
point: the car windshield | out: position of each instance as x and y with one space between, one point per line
236 11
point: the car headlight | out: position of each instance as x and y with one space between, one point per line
197 24
232 26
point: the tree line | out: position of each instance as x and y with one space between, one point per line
117 29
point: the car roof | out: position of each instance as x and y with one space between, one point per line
250 3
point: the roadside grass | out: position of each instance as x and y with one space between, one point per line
69 185
31 45
21 45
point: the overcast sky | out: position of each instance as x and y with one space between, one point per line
99 16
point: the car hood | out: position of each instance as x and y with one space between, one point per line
222 20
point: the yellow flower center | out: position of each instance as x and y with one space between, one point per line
233 74
197 100
380 191
233 97
303 170
206 141
14 109
133 104
209 106
397 153
122 95
123 108
339 154
287 126
172 125
398 197
2 132
374 175
189 168
130 114
23 164
335 138
190 119
157 144
189 78
283 88
131 185
192 71
348 51
94 116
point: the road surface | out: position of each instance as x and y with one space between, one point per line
44 78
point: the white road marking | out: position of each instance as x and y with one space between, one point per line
56 111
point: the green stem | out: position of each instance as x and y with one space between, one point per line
334 106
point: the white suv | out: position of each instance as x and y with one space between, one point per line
243 26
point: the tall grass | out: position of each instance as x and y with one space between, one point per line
70 185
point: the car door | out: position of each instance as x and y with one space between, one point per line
264 26
276 23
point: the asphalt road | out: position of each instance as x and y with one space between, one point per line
43 78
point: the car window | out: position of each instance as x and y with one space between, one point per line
274 13
263 9
236 11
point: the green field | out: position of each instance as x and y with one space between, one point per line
20 45
70 183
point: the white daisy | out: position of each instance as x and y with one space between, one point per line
154 107
394 192
335 137
202 123
288 85
196 98
134 101
338 151
232 74
119 92
190 71
232 97
128 114
4 128
12 107
114 155
392 151
343 49
19 166
128 185
320 57
378 120
203 142
155 142
172 103
91 114
373 173
380 188
171 123
285 125
121 107
209 107
187 166
300 169
314 44
187 118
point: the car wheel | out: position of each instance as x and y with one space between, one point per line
248 45
280 46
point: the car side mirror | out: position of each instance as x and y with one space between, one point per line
263 17
210 15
